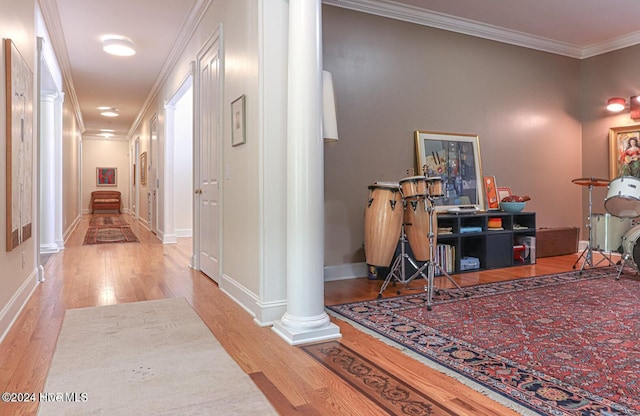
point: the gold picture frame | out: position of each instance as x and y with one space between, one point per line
143 169
624 154
19 145
454 159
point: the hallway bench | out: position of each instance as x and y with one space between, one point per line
105 200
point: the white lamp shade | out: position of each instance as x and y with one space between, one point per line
329 123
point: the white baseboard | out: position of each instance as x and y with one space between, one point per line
264 313
10 312
184 232
168 238
345 271
70 230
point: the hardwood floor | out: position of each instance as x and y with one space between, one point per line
82 276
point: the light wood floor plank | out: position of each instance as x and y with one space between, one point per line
82 276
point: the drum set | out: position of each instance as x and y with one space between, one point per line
397 212
615 231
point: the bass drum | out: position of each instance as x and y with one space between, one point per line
623 197
608 231
630 245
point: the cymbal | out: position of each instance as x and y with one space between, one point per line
591 182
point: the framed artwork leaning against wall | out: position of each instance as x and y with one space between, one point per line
453 159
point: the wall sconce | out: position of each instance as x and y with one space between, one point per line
617 104
329 123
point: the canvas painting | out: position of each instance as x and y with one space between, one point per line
19 138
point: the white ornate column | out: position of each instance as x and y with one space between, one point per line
47 174
305 319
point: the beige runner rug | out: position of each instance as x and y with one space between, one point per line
145 358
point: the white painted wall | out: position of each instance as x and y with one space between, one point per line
183 165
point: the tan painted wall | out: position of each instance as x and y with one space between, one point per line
104 153
392 78
609 75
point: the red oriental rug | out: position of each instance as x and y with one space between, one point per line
107 220
110 234
561 344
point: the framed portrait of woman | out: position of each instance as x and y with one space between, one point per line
624 151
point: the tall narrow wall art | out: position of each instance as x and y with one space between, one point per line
19 138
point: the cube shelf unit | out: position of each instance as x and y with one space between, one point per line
493 248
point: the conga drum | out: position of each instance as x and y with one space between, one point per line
417 227
434 186
413 186
382 223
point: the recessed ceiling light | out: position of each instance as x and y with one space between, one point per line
105 135
119 46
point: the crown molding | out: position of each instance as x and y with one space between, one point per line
51 17
614 44
188 28
411 14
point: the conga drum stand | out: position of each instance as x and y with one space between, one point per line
434 265
587 253
398 269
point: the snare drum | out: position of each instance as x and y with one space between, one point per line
623 197
434 185
382 223
417 227
607 231
630 246
413 186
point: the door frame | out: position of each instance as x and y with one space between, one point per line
216 37
169 170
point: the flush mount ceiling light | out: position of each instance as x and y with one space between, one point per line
119 46
106 133
108 111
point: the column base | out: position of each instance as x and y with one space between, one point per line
49 248
297 332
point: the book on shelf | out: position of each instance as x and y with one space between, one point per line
446 258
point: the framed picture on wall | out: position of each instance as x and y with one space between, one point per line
19 146
453 159
143 168
624 151
106 176
238 125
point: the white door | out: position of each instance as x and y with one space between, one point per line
208 185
